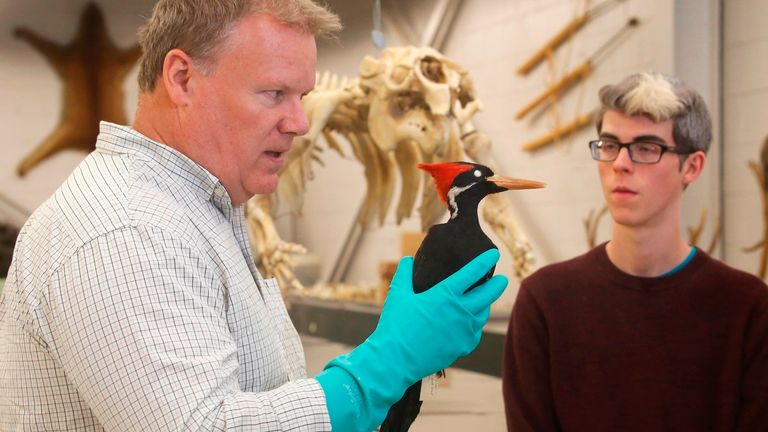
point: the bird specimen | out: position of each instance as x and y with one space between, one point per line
447 247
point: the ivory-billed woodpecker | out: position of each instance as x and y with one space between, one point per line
447 247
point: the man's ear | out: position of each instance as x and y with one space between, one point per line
177 72
692 167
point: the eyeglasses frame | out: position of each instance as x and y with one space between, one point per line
664 149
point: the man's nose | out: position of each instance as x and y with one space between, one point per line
623 160
295 121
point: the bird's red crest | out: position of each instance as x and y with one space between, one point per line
444 173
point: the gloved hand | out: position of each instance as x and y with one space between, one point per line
417 335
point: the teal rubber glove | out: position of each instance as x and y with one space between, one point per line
417 335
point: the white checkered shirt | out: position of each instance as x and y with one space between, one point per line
133 304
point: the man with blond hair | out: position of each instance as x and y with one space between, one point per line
133 302
644 332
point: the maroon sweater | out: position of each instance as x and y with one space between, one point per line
590 348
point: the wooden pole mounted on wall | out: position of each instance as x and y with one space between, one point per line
561 132
564 34
579 73
761 174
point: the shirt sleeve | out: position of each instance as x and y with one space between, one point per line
525 374
138 320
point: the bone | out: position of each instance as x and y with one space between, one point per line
407 106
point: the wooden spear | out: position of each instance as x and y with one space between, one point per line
569 30
563 131
760 170
577 74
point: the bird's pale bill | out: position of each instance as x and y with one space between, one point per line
515 183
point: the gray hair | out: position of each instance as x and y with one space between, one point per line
197 27
661 97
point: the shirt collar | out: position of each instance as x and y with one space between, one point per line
119 139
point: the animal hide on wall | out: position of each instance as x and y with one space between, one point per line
92 70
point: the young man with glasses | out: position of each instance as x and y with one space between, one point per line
644 332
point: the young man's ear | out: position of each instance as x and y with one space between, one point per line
177 72
692 167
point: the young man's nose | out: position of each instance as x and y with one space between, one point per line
623 160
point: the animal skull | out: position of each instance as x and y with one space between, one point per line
412 93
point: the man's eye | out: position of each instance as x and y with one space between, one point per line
270 98
647 148
609 146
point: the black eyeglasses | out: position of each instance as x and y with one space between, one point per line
643 152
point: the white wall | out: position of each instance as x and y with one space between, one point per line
697 61
491 38
30 91
745 102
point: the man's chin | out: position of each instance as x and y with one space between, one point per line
264 186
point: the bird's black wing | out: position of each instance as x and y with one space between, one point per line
434 261
444 251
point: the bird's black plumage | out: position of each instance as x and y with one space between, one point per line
446 248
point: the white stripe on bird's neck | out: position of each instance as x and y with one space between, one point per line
453 192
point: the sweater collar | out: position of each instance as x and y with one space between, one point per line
625 280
